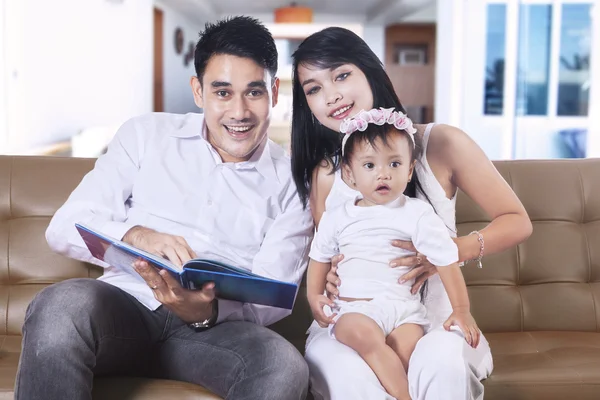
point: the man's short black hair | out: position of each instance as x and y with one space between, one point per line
237 36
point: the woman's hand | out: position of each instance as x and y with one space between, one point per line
422 268
333 280
465 321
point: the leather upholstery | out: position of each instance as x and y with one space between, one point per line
539 304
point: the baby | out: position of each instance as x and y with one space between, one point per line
374 314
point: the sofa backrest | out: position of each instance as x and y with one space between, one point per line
550 282
31 190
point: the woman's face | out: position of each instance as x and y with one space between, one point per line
335 94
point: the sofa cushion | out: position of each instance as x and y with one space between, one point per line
148 389
31 190
551 282
544 365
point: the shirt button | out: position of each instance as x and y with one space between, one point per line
209 202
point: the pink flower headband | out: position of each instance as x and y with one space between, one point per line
377 116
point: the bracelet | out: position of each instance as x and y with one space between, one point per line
481 247
210 321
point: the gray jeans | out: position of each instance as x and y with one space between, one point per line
81 328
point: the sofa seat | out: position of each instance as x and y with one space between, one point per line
144 388
104 388
544 365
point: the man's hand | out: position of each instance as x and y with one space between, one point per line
189 305
174 248
317 302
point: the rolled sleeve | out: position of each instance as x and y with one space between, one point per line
100 200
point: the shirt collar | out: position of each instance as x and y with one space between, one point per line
396 203
194 126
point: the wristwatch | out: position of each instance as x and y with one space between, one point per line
210 321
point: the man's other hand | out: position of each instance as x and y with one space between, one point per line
189 305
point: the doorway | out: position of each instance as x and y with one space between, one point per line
158 61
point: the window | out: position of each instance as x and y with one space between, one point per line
535 22
494 63
574 62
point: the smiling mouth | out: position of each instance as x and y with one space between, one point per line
342 112
238 130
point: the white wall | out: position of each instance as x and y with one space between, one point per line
74 64
176 81
374 35
3 114
449 65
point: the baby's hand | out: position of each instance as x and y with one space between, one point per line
317 302
465 321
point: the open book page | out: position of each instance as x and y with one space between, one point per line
217 266
118 253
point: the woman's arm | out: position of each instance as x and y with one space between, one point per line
470 170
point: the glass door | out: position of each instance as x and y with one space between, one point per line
529 90
552 79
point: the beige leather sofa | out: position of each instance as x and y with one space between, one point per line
539 304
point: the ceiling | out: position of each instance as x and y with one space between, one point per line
374 11
318 6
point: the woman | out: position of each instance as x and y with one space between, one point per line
335 76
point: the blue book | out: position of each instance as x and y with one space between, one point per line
231 283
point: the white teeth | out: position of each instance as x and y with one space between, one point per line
341 111
238 128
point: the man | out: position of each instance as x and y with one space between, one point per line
177 186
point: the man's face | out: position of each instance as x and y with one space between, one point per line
237 96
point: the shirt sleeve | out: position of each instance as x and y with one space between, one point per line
100 200
324 245
283 255
431 238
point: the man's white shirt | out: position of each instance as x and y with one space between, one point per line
160 172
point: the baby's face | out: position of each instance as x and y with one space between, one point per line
381 172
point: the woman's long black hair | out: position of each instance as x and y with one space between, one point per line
312 142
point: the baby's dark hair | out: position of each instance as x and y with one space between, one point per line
371 134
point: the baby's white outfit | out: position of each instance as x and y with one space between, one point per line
364 236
